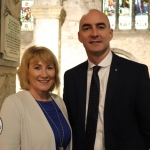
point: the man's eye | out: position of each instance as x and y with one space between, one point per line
101 27
86 28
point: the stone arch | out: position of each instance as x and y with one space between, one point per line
124 54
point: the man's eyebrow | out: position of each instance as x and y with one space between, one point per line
86 24
101 23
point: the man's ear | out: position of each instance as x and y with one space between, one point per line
111 34
79 37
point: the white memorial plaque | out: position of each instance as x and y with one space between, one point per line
10 30
11 38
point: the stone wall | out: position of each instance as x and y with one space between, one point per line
135 43
7 66
7 82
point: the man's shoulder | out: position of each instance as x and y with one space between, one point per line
81 66
127 62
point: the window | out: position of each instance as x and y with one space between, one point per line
26 16
127 14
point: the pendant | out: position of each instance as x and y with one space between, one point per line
61 148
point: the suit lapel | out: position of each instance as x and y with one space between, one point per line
114 70
82 92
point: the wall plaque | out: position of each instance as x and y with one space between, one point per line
12 38
10 32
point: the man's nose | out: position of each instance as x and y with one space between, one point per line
94 33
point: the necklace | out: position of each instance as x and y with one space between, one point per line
61 138
44 100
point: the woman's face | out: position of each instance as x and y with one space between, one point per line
41 76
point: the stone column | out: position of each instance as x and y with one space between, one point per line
47 29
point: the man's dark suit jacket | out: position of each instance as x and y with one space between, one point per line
127 105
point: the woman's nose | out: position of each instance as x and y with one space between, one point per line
44 73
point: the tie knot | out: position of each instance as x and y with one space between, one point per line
96 69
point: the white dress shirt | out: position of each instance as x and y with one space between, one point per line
103 77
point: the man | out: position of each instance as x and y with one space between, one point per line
124 103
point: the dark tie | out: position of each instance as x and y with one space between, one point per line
92 115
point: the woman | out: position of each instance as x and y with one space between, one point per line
35 119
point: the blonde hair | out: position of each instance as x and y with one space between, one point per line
37 53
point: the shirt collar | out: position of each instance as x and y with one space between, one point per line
104 63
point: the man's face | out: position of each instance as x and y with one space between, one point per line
95 33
